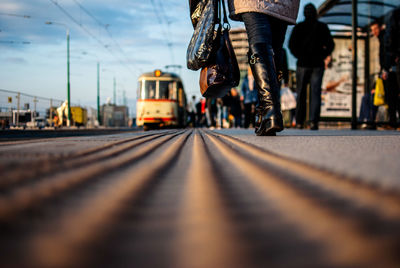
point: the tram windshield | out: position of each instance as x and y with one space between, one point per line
149 90
158 90
167 90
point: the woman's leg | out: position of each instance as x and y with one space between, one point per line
262 30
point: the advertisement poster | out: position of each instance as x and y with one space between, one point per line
337 81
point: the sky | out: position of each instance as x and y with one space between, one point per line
126 37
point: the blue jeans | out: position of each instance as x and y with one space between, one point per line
312 76
271 31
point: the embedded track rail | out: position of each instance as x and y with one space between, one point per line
187 198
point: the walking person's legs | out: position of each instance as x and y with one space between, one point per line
315 84
303 77
263 31
247 115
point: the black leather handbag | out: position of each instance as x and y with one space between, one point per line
204 17
222 70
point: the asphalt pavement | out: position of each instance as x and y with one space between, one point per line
368 156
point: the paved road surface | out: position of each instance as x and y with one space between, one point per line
369 156
187 198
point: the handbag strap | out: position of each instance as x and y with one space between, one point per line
223 21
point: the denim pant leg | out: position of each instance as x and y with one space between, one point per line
315 84
270 31
262 28
303 78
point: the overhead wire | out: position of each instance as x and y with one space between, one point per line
168 23
103 25
160 21
66 13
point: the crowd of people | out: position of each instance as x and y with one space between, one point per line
258 102
225 112
388 34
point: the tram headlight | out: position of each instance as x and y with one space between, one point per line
157 73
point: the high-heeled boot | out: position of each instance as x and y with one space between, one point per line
268 111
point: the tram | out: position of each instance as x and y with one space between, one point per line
161 101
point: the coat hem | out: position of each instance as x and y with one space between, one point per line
235 14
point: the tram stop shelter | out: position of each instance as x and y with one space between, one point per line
351 19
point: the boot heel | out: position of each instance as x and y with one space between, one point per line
269 127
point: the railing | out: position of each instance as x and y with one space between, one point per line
42 107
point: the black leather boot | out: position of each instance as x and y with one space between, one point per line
268 111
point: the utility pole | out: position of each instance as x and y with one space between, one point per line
124 97
51 112
33 119
98 92
115 91
68 83
18 107
68 71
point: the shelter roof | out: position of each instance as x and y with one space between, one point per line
339 12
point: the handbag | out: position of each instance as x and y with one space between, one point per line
222 71
379 97
204 18
196 9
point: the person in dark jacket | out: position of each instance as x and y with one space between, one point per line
391 68
310 42
392 40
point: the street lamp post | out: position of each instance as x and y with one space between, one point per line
115 91
98 92
68 72
98 86
68 83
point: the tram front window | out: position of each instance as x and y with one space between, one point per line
149 91
167 90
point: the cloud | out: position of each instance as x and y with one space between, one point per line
134 37
8 7
15 60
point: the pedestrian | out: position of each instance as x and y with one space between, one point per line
249 93
391 70
310 42
226 103
266 22
192 111
201 113
236 108
211 112
378 32
284 68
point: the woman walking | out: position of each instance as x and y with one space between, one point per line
266 22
